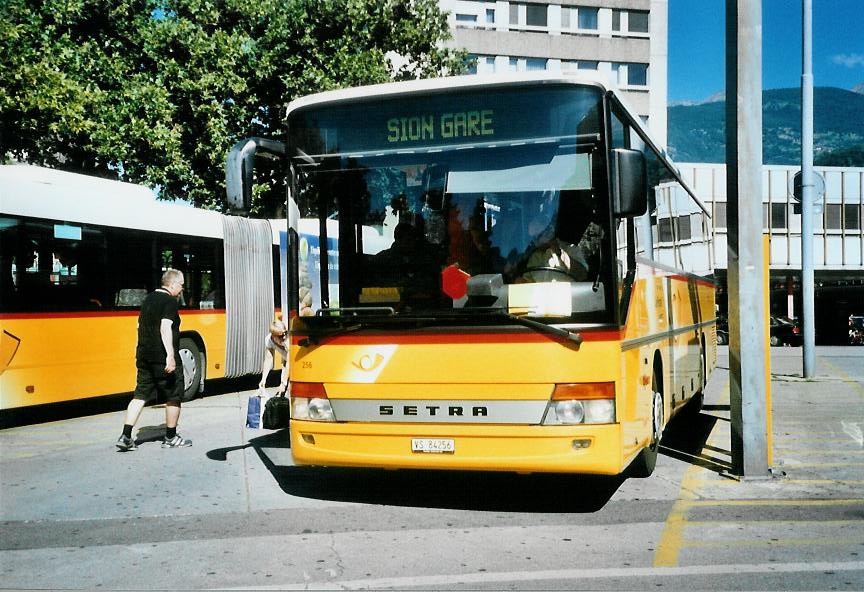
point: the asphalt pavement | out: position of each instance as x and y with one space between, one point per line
233 512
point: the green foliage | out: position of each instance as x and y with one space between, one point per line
157 91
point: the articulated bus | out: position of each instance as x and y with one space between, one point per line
78 255
516 279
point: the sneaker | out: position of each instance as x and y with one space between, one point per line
126 444
176 442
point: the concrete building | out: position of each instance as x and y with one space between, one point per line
624 39
838 241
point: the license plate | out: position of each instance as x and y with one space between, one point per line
433 445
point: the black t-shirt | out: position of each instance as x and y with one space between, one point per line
157 305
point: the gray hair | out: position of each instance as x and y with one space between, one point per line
170 276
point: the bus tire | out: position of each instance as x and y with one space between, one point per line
643 465
192 360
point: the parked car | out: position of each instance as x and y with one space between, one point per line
785 331
722 330
856 330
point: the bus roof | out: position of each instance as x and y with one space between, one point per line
408 87
39 192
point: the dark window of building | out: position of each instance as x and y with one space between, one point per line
637 21
637 74
852 217
684 231
490 15
616 20
587 18
535 15
514 13
832 217
778 215
535 64
466 18
586 65
665 225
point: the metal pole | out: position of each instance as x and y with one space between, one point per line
807 287
747 351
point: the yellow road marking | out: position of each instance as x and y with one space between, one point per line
793 481
772 522
779 502
850 379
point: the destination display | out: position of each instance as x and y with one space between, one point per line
441 120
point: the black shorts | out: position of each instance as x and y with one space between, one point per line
154 383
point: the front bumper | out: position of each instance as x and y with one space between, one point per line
477 447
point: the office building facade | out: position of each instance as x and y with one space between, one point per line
624 40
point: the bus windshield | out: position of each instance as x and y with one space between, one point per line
448 204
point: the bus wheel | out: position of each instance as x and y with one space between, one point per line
643 465
191 357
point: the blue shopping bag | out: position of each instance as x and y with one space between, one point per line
253 412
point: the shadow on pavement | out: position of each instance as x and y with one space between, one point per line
20 416
459 490
686 439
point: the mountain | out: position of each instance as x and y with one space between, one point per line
697 132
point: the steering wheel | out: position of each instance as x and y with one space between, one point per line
548 268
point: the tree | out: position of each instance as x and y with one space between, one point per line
157 91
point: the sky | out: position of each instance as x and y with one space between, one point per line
697 41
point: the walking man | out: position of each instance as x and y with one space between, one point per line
157 358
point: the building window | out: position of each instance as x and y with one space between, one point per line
720 214
637 21
471 59
778 216
535 15
616 20
586 65
832 217
665 230
466 18
851 217
490 64
588 18
684 231
514 13
535 64
637 74
514 64
490 15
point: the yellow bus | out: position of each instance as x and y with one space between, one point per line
516 278
77 256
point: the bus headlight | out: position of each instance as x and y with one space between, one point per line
312 409
309 402
586 403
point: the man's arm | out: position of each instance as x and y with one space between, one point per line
168 342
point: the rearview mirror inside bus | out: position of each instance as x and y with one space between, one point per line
629 182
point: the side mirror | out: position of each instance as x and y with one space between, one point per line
239 166
629 183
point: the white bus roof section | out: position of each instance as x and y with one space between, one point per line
390 89
39 192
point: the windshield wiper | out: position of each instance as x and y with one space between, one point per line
570 336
